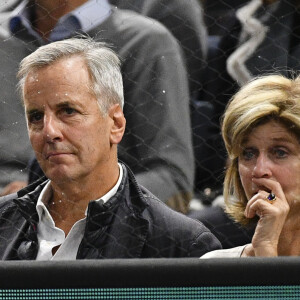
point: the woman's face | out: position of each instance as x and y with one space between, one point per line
272 152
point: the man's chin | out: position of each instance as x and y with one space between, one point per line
58 174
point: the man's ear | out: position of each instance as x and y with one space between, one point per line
119 123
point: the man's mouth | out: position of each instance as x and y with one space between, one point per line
49 155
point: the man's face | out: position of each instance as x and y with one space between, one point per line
70 137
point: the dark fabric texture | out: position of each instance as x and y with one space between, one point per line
132 224
228 232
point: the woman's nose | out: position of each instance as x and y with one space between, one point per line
262 167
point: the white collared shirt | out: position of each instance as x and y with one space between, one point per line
50 236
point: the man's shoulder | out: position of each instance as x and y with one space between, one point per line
28 193
14 49
125 27
7 202
162 213
169 227
130 20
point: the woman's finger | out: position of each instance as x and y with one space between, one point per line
261 195
270 186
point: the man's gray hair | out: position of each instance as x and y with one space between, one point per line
102 63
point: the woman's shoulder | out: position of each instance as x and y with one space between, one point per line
225 253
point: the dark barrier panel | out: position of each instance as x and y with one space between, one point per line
247 278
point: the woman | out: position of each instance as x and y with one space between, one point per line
261 131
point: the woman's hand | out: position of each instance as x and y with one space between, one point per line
271 217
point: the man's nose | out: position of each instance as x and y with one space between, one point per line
262 167
52 128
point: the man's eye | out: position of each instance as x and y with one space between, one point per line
35 117
69 110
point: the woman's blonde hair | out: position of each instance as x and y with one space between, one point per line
271 97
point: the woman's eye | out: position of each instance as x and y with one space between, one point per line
280 153
248 154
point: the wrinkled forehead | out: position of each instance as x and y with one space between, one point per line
61 66
274 130
64 75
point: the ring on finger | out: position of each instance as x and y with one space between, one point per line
271 198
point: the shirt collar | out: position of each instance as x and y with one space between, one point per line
113 191
92 13
83 18
46 195
21 15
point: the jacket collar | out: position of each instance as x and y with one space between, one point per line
30 193
27 199
116 229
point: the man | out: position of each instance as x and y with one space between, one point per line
91 206
157 143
